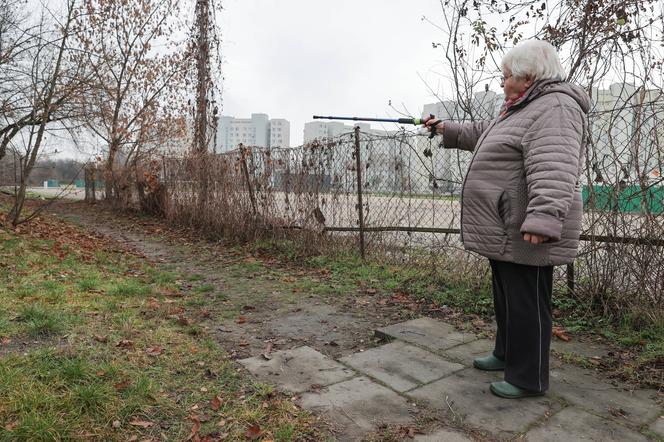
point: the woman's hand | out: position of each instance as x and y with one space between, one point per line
434 124
534 239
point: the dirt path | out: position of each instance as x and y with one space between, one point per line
253 302
256 305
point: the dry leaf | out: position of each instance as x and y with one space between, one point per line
5 341
153 304
266 354
125 343
140 423
215 403
116 424
241 320
195 428
561 334
120 386
153 351
182 320
253 432
99 338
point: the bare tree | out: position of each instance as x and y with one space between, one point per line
44 82
17 37
138 72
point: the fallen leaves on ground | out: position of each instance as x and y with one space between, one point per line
125 343
69 238
267 353
215 403
195 428
140 423
122 385
153 351
99 338
253 432
560 333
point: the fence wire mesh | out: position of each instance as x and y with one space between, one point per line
411 209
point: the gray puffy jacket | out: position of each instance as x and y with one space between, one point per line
524 176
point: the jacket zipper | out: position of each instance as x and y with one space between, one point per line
479 141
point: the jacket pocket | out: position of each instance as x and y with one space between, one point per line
504 209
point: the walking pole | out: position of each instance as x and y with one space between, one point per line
413 121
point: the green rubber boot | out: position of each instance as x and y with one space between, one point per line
508 391
489 363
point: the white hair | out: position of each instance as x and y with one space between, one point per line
535 59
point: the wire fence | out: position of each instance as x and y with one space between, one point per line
396 198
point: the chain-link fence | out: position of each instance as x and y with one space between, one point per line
396 198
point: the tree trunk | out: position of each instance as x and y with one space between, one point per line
109 178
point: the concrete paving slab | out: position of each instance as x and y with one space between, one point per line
585 349
401 366
582 388
658 427
467 394
443 436
317 325
428 333
296 370
575 424
357 406
465 353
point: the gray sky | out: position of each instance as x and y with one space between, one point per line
296 58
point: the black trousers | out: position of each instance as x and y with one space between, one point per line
522 300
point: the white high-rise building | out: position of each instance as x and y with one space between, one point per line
257 131
318 130
279 133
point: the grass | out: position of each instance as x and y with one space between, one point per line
342 275
88 283
205 288
101 349
40 320
129 288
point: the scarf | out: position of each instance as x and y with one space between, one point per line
510 102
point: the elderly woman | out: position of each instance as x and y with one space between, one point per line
522 207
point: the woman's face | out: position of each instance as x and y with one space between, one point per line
514 86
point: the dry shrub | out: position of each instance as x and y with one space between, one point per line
308 196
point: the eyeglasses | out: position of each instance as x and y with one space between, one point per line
504 79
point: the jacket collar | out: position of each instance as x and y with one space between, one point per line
534 91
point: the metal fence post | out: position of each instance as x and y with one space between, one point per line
360 209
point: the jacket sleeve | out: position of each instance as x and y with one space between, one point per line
463 135
552 150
